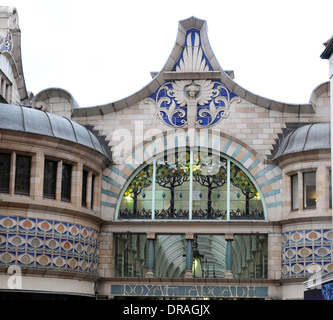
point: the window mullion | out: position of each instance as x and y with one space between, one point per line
59 178
228 189
191 185
153 191
12 173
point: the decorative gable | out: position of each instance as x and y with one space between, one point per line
193 57
194 97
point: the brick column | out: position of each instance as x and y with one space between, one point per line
274 256
321 189
37 177
76 189
106 254
96 205
89 189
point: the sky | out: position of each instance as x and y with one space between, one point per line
102 51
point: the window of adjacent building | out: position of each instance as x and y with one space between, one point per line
294 192
66 182
50 179
309 189
22 175
4 172
192 185
5 89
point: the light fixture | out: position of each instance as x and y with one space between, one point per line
128 196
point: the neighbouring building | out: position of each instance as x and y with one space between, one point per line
192 187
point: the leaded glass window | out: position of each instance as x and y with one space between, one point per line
309 188
84 188
4 172
22 175
191 185
66 182
172 186
294 192
137 200
209 195
245 202
50 179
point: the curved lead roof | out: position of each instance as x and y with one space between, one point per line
309 137
23 119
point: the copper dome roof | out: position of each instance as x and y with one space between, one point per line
24 119
309 137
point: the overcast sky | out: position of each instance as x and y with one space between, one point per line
102 51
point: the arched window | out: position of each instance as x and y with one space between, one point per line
191 184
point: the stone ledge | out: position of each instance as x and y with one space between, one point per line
57 207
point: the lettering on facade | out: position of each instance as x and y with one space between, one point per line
147 290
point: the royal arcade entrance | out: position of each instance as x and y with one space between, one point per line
204 266
192 223
192 292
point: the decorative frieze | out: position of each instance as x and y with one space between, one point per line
48 244
305 252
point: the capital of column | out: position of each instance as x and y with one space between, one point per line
151 235
189 236
229 236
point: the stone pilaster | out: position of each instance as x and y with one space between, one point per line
106 254
274 255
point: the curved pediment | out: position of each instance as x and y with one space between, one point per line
192 60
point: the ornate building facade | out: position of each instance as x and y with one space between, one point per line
192 187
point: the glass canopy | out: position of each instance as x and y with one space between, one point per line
191 184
